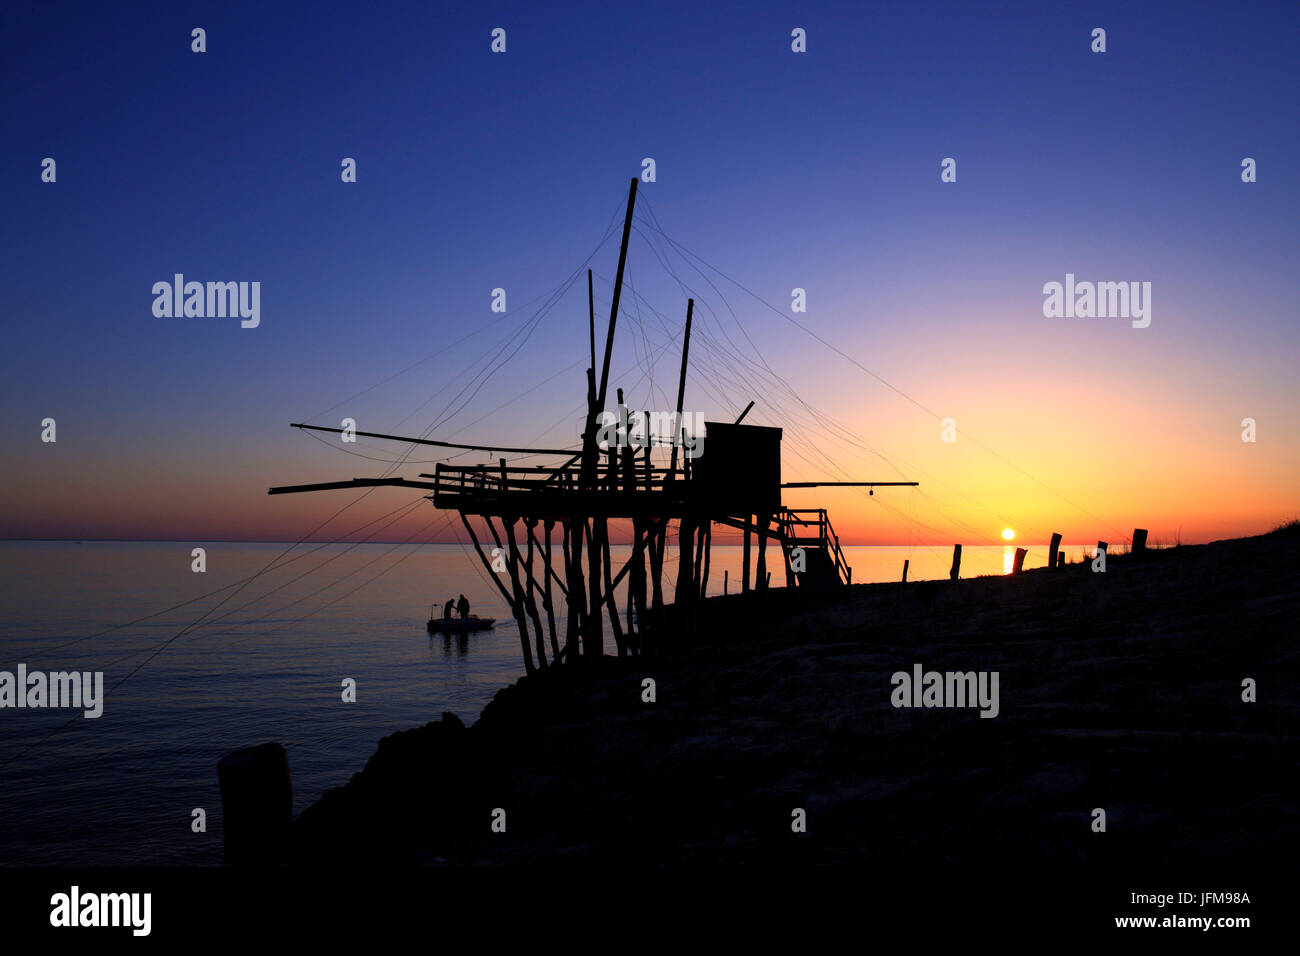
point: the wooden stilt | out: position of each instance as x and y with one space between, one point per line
564 590
593 634
763 577
529 666
517 605
684 599
577 600
530 596
487 564
698 567
786 531
655 544
708 548
615 627
637 588
744 585
547 574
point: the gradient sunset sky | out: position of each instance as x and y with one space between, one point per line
818 170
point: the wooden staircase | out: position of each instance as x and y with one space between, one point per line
823 560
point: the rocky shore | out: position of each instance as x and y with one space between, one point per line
1121 691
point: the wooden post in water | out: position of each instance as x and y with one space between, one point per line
655 545
1051 552
528 657
576 587
955 572
1139 540
684 598
725 574
593 634
256 804
547 574
1060 559
1018 563
698 567
517 605
905 564
615 628
636 585
530 595
761 581
707 534
744 586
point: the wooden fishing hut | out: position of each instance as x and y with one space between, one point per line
735 482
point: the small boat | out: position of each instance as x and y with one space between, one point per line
456 625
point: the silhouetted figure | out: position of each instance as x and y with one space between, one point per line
446 609
463 607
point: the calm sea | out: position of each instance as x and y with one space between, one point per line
251 664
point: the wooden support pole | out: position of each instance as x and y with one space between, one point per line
763 576
615 471
698 567
684 598
528 654
655 543
615 627
483 557
636 589
642 595
1018 562
744 586
547 574
955 572
618 292
1139 540
681 388
725 575
1053 549
906 562
517 605
789 569
550 522
577 602
630 603
591 323
707 534
593 633
649 465
530 601
1060 559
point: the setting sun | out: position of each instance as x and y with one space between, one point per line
1008 534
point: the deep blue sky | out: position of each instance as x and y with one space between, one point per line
476 170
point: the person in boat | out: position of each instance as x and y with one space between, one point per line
463 607
446 609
